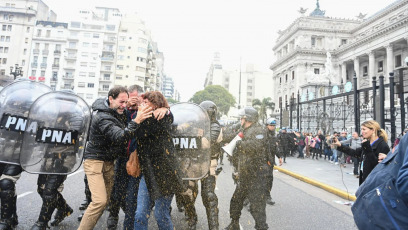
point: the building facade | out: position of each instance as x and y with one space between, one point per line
17 21
317 52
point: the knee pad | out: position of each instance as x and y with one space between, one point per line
7 189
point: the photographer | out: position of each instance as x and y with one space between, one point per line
373 148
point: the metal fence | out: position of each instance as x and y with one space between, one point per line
346 108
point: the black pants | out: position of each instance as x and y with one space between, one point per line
48 185
8 190
254 189
356 164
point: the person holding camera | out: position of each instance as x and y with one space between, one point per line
373 148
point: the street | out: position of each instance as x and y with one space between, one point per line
298 205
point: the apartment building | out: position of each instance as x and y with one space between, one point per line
17 21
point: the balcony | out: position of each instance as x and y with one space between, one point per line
43 65
68 77
45 52
57 52
67 87
72 38
36 51
34 65
54 79
70 57
69 67
103 90
107 58
105 79
110 40
72 48
24 11
55 66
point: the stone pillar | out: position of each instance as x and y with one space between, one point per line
390 62
371 64
344 72
357 70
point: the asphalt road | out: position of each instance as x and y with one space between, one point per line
298 205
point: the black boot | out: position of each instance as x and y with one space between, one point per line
80 216
60 215
84 205
39 226
112 222
234 225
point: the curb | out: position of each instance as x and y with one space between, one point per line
331 189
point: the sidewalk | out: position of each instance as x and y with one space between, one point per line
323 174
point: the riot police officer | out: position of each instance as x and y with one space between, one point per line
16 100
208 183
285 143
253 171
272 142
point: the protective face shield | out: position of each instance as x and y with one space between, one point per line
15 103
191 139
211 108
55 143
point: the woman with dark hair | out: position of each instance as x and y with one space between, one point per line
160 178
373 148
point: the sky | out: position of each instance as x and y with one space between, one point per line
189 32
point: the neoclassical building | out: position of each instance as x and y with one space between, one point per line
317 50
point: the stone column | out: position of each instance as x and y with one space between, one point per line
344 72
371 64
390 62
357 70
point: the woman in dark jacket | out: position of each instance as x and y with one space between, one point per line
160 174
372 147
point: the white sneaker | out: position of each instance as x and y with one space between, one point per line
336 163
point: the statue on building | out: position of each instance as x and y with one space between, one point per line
318 12
302 11
361 16
328 76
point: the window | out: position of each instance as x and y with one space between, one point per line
91 85
95 35
54 75
87 35
4 61
142 50
84 64
75 24
91 74
380 66
42 73
6 17
140 59
81 84
82 74
46 46
107 67
85 44
28 29
280 102
110 27
365 71
313 42
286 78
119 67
343 41
316 70
398 61
2 38
24 51
44 60
4 28
1 49
105 87
11 17
26 40
280 80
6 49
249 94
141 69
33 72
84 54
293 75
38 33
58 47
8 39
48 33
106 76
121 48
23 62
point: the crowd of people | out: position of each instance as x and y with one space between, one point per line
130 121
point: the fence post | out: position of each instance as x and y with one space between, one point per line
356 105
290 111
298 111
401 96
374 97
392 108
281 108
382 100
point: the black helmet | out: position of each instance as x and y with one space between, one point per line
210 107
249 113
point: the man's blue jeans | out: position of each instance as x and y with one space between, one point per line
144 208
131 202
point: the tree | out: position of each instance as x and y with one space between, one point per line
171 101
217 94
263 106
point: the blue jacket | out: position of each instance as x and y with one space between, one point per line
382 200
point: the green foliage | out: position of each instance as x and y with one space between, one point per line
171 101
263 106
217 94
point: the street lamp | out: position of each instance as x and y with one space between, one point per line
17 71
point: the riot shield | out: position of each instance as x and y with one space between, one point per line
15 102
191 139
55 141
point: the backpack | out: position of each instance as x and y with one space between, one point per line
379 203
